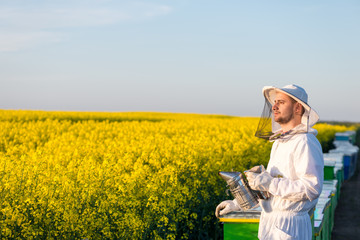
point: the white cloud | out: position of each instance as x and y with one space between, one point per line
59 18
23 27
157 10
14 41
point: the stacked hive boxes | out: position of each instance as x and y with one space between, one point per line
339 165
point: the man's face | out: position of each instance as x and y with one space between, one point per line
283 108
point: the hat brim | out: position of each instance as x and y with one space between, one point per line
270 93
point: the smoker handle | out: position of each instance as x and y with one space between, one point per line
227 192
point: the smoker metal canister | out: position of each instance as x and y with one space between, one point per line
241 191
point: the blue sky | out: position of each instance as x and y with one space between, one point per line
178 55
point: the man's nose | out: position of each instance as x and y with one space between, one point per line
274 107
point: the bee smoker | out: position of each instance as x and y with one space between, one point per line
246 197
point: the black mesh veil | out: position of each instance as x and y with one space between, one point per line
264 129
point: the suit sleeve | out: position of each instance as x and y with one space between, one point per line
309 168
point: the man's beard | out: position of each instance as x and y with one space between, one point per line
284 120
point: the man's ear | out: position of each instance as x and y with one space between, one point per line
299 109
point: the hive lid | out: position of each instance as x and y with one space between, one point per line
329 163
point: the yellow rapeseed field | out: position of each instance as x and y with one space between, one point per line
80 175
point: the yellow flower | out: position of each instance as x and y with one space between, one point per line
77 175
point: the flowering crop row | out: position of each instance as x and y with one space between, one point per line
84 175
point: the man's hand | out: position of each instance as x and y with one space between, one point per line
226 206
259 181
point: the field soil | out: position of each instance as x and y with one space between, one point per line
347 213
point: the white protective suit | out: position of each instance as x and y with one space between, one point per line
296 165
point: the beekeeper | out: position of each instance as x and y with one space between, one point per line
294 175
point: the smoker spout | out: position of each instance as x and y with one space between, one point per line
227 176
